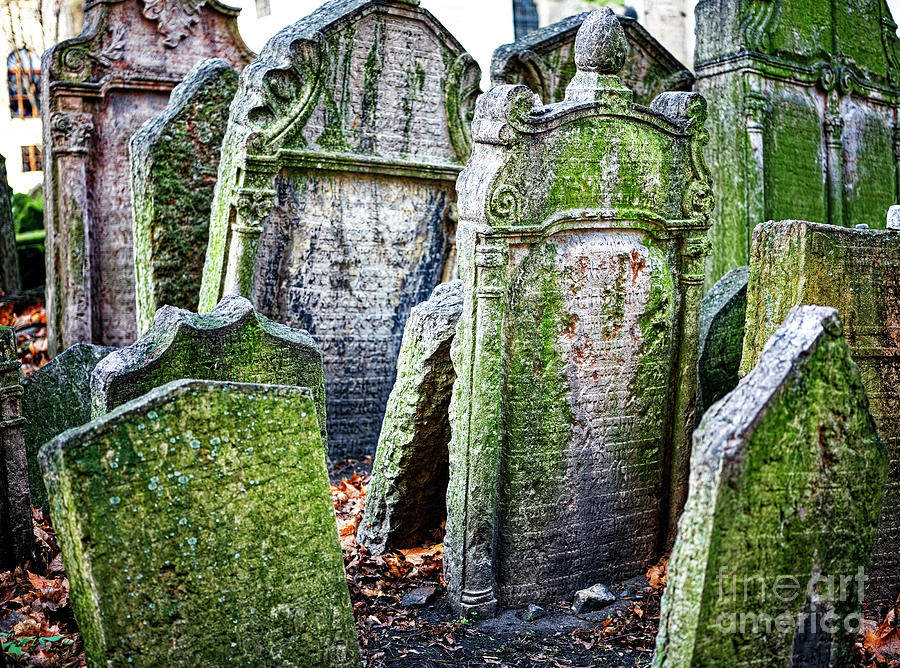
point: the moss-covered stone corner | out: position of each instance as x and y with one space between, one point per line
10 280
787 484
197 528
232 343
57 397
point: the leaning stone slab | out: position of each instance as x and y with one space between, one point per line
10 280
787 483
233 343
57 397
407 496
858 273
197 528
721 337
174 162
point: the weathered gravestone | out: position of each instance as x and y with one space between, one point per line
57 397
197 528
332 211
97 90
16 529
9 260
787 483
174 163
544 60
581 243
858 273
406 498
722 315
797 90
232 343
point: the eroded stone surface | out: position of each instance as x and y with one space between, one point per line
858 273
721 337
10 280
57 397
174 163
581 247
197 528
333 208
407 496
787 483
97 90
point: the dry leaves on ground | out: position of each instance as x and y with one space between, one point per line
879 646
30 323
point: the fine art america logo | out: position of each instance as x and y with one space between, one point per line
786 604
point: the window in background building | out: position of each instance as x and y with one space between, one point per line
31 159
24 82
263 8
525 17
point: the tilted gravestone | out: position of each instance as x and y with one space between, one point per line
97 90
858 273
10 280
197 528
797 90
406 498
787 483
57 397
722 315
333 207
232 343
544 60
581 242
174 163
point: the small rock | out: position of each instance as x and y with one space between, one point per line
534 612
593 598
419 596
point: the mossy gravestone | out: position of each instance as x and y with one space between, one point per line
407 496
174 162
57 397
544 60
858 273
197 528
787 483
10 281
722 315
581 241
797 90
233 343
333 210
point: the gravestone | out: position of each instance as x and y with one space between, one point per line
334 202
858 273
722 315
197 528
544 60
406 498
581 243
174 163
97 90
787 483
232 343
57 397
797 91
9 260
16 529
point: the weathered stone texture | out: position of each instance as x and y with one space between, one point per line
10 281
197 528
722 315
174 163
787 483
797 90
97 90
544 60
57 397
333 207
858 273
407 496
581 245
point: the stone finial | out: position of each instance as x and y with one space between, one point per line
601 45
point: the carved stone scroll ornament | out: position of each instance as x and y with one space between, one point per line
71 131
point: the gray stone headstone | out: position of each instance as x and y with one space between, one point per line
174 163
576 353
722 315
787 483
10 281
406 498
197 528
57 397
333 210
